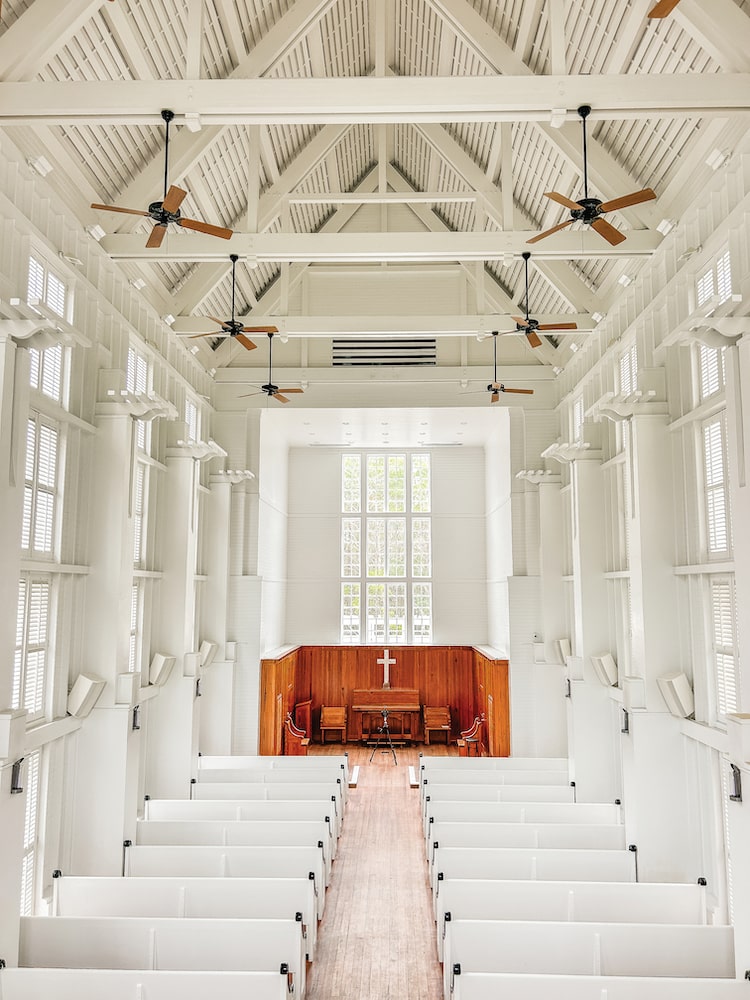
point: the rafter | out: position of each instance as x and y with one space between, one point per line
42 30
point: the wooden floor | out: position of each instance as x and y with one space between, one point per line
377 938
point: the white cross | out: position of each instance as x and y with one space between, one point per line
386 660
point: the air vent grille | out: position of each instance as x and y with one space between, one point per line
374 352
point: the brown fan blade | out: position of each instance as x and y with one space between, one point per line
157 237
217 333
494 397
245 341
206 227
116 208
636 198
663 8
610 234
557 326
533 339
561 199
291 390
281 399
519 320
549 232
175 197
524 392
260 329
215 319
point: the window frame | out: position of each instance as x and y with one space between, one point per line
402 592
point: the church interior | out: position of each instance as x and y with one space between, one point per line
372 382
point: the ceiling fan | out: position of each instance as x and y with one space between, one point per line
269 388
663 8
591 210
530 326
168 210
233 327
495 387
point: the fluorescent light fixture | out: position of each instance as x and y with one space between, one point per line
40 165
666 226
573 346
138 283
194 349
597 317
625 280
168 319
193 121
717 158
95 231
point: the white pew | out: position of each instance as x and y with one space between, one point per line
280 776
229 862
303 790
240 833
605 838
597 902
119 984
272 763
547 865
529 782
520 812
496 793
163 943
490 986
105 896
587 949
238 809
476 776
428 761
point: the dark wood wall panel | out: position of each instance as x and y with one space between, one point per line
459 676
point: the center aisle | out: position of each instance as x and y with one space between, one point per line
377 938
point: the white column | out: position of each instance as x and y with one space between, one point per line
173 716
106 752
14 391
738 452
591 740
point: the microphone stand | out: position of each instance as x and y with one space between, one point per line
384 736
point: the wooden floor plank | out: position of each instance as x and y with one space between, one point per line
377 938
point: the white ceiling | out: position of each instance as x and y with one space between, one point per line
382 164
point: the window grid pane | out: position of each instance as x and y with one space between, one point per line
30 659
376 612
351 548
396 546
396 608
375 484
705 286
351 484
420 484
396 484
376 546
422 612
724 613
350 612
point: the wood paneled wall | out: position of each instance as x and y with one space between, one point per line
459 676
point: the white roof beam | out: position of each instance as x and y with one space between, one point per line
353 100
464 325
344 247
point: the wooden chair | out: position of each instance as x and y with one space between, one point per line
437 720
332 719
295 740
469 741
